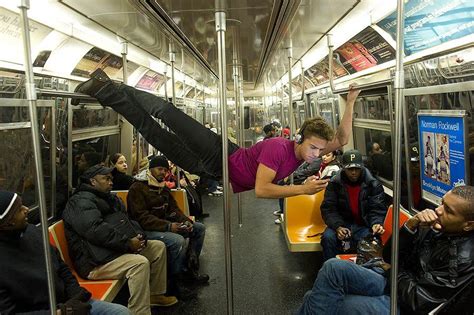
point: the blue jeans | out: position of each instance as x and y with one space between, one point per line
175 245
342 287
210 183
332 245
106 308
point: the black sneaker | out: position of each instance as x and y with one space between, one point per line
91 87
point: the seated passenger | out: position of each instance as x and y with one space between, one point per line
104 243
326 167
436 260
83 161
122 181
329 165
353 206
151 204
198 150
269 132
23 278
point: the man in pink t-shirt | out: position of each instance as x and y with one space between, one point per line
198 150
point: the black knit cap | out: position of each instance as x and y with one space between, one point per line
158 161
7 201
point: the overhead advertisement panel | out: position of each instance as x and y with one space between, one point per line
151 81
97 58
319 73
363 51
431 23
443 153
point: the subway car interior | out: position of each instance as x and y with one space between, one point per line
238 66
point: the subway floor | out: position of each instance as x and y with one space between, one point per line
267 278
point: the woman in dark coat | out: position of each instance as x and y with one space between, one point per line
121 180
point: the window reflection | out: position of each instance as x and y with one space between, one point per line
372 107
93 117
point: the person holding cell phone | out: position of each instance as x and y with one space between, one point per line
151 204
353 206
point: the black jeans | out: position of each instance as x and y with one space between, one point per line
192 147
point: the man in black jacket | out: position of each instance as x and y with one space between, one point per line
104 242
436 261
22 265
353 206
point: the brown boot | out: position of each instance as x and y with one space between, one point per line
162 300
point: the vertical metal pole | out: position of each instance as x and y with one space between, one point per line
53 145
172 61
236 76
282 111
70 162
407 155
31 96
166 84
290 99
399 85
173 92
195 101
220 29
124 62
126 130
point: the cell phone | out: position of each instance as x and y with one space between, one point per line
327 177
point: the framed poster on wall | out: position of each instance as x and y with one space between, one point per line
443 152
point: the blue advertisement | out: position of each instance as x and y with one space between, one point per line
429 23
443 151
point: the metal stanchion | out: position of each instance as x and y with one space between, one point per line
173 93
399 85
236 77
220 29
127 131
290 99
31 96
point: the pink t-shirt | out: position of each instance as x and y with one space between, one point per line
276 153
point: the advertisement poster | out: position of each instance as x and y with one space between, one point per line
365 50
11 38
442 152
151 81
97 58
431 23
319 73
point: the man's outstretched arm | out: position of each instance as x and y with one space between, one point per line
344 130
265 188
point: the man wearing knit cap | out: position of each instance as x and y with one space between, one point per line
151 204
22 265
105 244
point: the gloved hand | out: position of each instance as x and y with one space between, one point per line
75 307
82 295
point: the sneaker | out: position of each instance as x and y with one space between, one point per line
220 188
216 193
162 300
92 86
277 213
278 221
